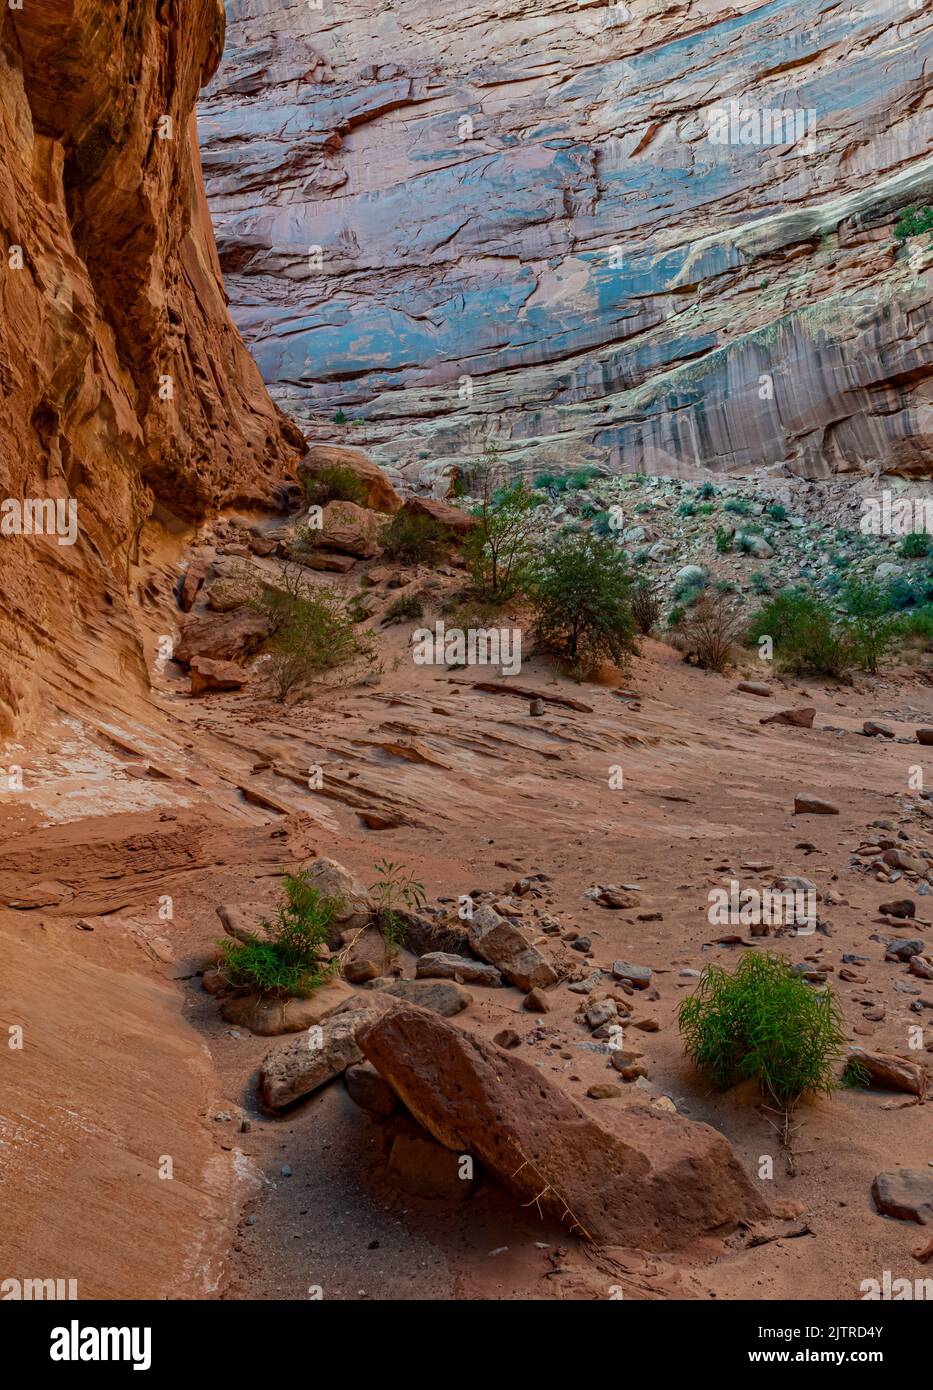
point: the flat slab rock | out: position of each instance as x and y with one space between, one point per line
906 1193
807 805
500 944
444 965
797 718
653 1180
270 1017
296 1069
443 997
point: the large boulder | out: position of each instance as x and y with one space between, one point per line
298 1068
380 494
500 944
222 636
207 674
455 521
351 530
654 1180
352 897
906 1194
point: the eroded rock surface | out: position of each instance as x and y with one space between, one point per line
532 200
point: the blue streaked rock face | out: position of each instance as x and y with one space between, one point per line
595 235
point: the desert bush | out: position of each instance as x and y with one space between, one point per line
724 540
676 616
582 595
760 583
705 509
686 509
293 960
918 625
803 628
646 606
915 546
408 608
762 1021
706 491
334 484
739 505
872 631
777 511
710 630
313 631
412 539
914 222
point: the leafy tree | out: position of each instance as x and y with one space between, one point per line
412 539
499 547
802 626
335 484
582 595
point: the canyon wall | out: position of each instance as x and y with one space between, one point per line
541 222
126 394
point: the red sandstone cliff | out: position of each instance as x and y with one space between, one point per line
123 384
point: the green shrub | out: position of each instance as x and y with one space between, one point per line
600 525
705 509
551 483
676 616
760 583
582 595
313 630
739 505
689 591
872 630
408 608
707 490
777 511
687 509
764 1022
340 418
293 960
723 540
915 546
802 626
914 222
919 624
411 539
336 484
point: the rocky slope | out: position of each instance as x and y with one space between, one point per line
124 388
531 199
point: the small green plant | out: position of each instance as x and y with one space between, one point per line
601 525
777 511
764 1022
705 509
707 491
914 222
336 484
293 959
407 609
340 418
687 509
395 887
723 540
690 589
412 539
676 616
915 546
918 625
582 595
739 505
760 583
